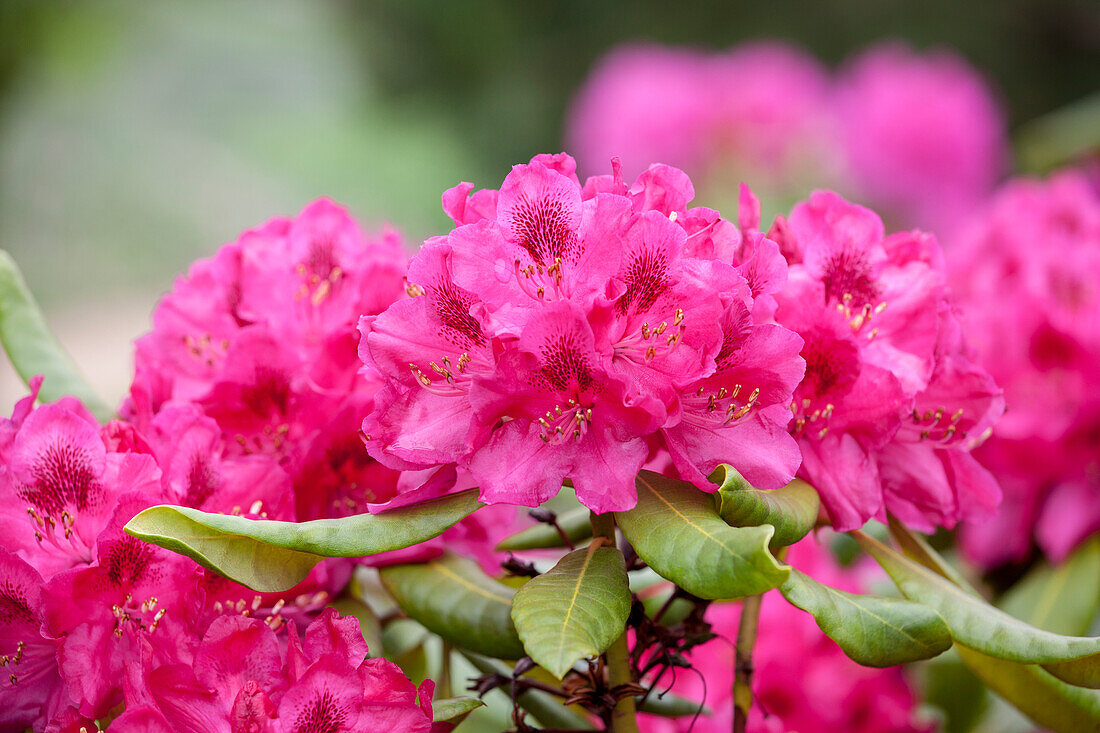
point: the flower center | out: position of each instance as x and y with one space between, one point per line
565 422
936 425
644 344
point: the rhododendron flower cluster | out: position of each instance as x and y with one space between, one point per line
243 679
564 333
93 617
262 338
920 136
891 405
801 678
250 379
1027 270
561 331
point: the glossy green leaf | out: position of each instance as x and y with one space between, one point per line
873 630
947 684
1033 691
678 532
547 709
792 510
576 609
574 523
916 548
454 710
401 636
975 623
1063 598
670 706
1045 699
1078 672
271 556
33 350
453 598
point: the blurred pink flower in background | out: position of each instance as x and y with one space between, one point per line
889 407
923 135
802 681
918 136
1026 269
642 103
760 109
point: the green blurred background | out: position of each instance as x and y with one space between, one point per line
135 137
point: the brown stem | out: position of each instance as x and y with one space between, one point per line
742 664
623 716
742 657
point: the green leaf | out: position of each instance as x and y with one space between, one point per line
975 623
1033 691
875 631
547 709
369 625
454 710
401 636
1046 700
1063 598
576 609
270 556
452 597
792 510
917 548
947 684
1059 137
406 645
670 706
678 532
574 523
33 350
1078 672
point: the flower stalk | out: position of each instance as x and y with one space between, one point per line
742 664
623 716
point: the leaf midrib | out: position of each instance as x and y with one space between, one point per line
576 592
690 523
467 584
872 614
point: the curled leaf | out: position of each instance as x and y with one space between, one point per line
792 510
678 532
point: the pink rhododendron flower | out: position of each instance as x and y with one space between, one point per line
61 486
133 594
755 111
263 338
802 681
242 680
1027 272
249 390
31 684
918 136
556 330
882 351
924 138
